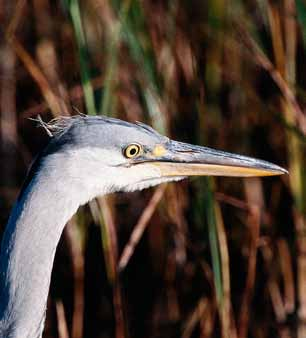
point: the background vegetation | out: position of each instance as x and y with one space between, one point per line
211 257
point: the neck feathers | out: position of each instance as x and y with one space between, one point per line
27 253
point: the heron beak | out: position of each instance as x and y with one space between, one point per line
182 159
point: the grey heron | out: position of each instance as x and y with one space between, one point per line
88 157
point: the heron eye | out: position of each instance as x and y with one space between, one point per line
132 150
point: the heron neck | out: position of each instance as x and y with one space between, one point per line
27 254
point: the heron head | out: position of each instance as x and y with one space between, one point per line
115 155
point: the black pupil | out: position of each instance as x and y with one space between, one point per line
133 151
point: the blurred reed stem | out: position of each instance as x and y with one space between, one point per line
285 57
62 328
213 239
225 310
220 259
37 75
102 215
75 13
113 45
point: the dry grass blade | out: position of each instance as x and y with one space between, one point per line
9 137
8 123
262 60
75 95
273 286
78 270
228 329
105 208
288 276
296 162
62 327
301 262
47 59
254 196
46 53
294 146
109 223
176 209
195 317
37 75
140 227
254 225
29 63
102 214
16 19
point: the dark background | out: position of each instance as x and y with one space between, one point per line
219 257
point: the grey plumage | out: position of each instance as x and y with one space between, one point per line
87 157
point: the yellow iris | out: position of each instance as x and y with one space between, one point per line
132 150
